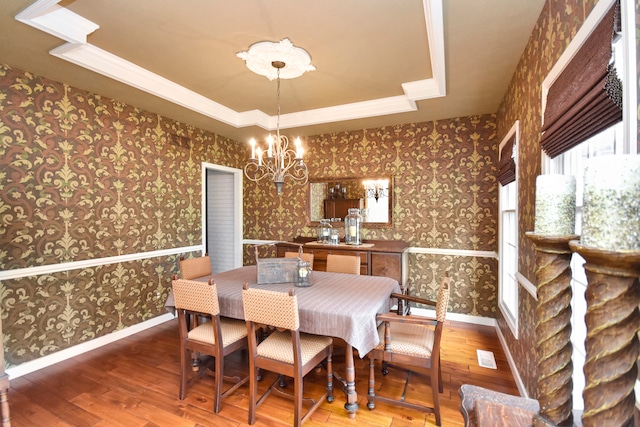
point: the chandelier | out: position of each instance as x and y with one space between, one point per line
279 160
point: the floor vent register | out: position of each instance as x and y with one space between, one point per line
486 359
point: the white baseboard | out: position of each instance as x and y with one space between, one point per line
512 365
465 318
68 353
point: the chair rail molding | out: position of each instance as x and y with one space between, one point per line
453 252
88 263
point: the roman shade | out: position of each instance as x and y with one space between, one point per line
586 98
507 164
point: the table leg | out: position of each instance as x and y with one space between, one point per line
350 377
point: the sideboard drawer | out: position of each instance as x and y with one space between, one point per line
387 265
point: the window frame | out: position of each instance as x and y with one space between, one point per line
510 313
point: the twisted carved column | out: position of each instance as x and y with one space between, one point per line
612 348
553 330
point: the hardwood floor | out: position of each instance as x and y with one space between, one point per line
134 382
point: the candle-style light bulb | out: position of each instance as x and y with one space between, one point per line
298 148
270 146
253 148
259 156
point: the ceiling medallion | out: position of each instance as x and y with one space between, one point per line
260 57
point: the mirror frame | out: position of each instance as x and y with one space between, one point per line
388 224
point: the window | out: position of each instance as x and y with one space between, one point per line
508 240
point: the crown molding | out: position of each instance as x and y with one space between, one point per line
48 16
95 59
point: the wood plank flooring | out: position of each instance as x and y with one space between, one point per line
134 382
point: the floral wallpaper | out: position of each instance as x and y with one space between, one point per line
85 177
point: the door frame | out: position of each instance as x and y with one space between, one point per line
237 205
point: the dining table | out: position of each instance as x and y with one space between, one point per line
336 304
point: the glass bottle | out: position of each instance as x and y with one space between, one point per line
352 224
324 231
334 238
304 274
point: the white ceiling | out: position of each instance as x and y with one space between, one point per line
378 62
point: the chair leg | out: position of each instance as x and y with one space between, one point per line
185 363
253 394
371 397
297 400
435 376
217 393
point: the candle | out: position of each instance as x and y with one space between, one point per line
611 208
253 148
298 149
555 205
270 146
259 156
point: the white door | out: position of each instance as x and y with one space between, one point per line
222 216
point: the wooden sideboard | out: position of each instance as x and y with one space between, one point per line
377 257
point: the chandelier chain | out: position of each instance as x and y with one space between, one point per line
278 99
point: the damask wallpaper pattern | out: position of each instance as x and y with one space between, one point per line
85 177
557 25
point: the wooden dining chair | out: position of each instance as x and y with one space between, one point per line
217 337
195 267
285 351
305 256
410 341
349 264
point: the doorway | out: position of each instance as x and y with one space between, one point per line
222 216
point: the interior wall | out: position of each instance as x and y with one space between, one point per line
84 177
445 197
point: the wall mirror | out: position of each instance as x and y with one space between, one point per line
330 198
